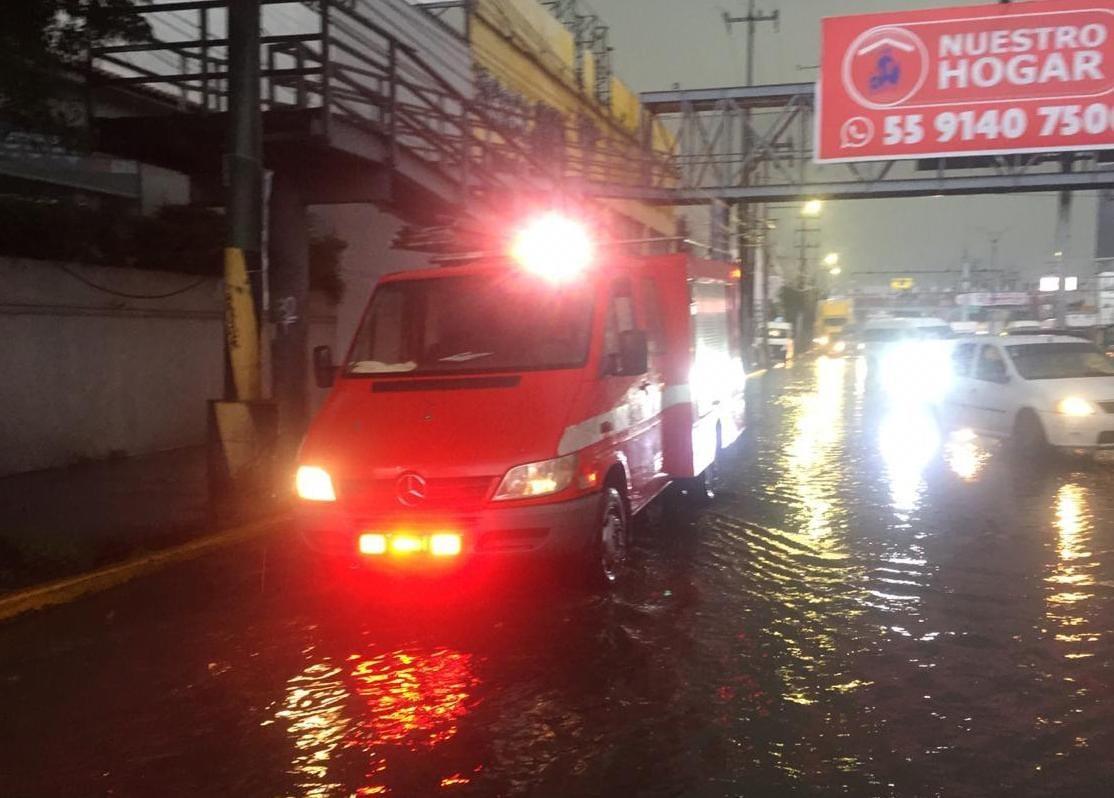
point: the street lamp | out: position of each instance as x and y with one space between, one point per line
812 208
831 259
835 271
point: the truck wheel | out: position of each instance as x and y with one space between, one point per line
610 546
1028 433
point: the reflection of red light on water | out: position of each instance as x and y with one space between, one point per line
414 698
453 781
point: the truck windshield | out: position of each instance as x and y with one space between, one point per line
472 323
1060 361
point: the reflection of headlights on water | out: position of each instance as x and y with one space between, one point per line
1075 406
964 435
916 372
908 440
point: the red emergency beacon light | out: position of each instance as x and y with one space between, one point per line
554 247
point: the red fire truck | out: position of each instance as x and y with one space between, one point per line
523 405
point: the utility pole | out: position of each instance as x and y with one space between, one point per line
240 434
243 174
745 214
752 19
965 283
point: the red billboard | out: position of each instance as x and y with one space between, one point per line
975 80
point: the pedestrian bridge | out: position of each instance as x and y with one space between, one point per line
365 101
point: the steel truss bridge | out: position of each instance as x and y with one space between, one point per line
366 116
755 145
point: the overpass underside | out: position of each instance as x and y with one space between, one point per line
333 160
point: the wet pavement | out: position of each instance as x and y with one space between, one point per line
865 609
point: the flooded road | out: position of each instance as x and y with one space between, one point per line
867 609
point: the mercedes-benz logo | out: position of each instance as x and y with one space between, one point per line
410 489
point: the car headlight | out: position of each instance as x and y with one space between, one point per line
314 484
822 340
537 479
839 346
1075 406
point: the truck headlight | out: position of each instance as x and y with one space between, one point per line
537 479
1075 406
314 484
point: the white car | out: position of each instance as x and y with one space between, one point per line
907 356
1041 390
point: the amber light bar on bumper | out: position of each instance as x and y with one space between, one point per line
437 544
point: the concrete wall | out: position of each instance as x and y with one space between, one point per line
89 374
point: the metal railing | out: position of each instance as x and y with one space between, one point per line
335 59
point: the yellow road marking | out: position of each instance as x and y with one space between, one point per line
70 588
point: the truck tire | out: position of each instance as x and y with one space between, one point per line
610 547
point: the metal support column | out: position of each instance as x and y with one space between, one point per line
288 251
1063 242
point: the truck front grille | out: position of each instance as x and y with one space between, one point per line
458 494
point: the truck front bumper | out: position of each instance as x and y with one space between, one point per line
534 531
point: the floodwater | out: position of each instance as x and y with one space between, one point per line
868 608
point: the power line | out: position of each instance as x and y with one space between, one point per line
127 295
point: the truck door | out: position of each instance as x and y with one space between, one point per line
653 386
637 399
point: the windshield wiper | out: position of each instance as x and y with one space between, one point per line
379 367
464 357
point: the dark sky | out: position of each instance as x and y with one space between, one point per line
661 42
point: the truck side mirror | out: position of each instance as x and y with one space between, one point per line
323 369
634 354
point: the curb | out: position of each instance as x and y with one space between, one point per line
66 590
